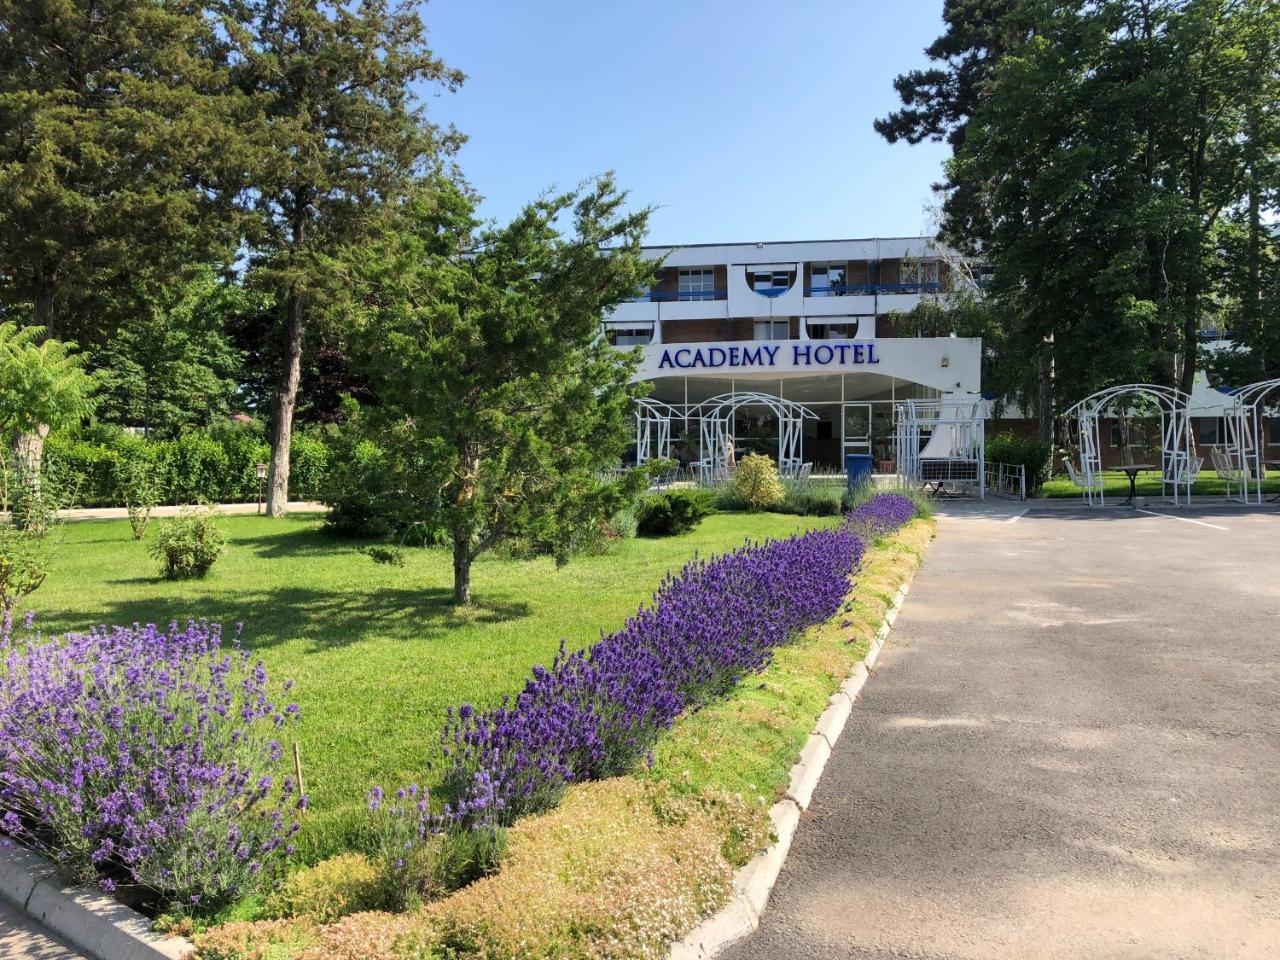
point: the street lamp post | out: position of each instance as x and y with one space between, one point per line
262 475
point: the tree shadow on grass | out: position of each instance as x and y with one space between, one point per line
329 620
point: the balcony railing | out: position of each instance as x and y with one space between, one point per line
870 289
669 296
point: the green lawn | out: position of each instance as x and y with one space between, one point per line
1208 484
378 652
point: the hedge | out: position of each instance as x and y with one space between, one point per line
197 465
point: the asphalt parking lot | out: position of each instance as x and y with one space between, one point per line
1070 749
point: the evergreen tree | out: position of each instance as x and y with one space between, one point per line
499 403
937 103
115 136
340 137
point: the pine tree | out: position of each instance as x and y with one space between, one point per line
115 139
340 137
499 403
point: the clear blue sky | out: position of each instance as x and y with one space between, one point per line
741 120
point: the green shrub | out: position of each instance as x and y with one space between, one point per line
215 465
1035 456
330 890
391 556
672 512
25 558
810 499
189 544
136 481
756 481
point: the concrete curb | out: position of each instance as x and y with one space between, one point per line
87 920
752 884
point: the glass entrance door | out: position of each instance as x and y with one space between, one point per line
855 423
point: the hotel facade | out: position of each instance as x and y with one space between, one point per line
819 328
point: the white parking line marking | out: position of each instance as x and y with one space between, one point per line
1169 516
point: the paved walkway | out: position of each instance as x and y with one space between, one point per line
230 509
1070 749
20 939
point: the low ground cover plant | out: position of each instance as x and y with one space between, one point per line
146 761
189 544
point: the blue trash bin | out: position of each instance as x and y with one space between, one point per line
857 467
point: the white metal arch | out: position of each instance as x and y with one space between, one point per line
653 429
715 419
1244 448
1179 465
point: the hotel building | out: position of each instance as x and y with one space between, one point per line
819 324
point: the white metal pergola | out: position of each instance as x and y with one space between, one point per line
715 426
653 429
1240 460
941 443
1179 465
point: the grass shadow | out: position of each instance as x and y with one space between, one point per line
326 619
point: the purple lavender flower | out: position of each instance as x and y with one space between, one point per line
136 756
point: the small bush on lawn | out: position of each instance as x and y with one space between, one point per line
136 481
756 481
189 544
1035 457
672 512
806 498
330 890
145 761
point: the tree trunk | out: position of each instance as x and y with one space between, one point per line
283 402
28 448
461 571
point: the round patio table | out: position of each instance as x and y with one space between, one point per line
1131 471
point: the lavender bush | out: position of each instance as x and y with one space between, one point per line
145 761
594 712
881 514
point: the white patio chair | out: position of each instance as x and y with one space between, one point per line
1087 488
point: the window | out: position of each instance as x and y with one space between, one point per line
920 273
697 283
835 329
1208 431
770 283
629 336
828 280
773 329
1273 432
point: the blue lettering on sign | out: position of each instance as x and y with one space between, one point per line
802 355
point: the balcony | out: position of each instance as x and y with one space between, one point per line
871 289
677 296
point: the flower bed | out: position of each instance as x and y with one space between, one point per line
595 712
143 760
626 865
